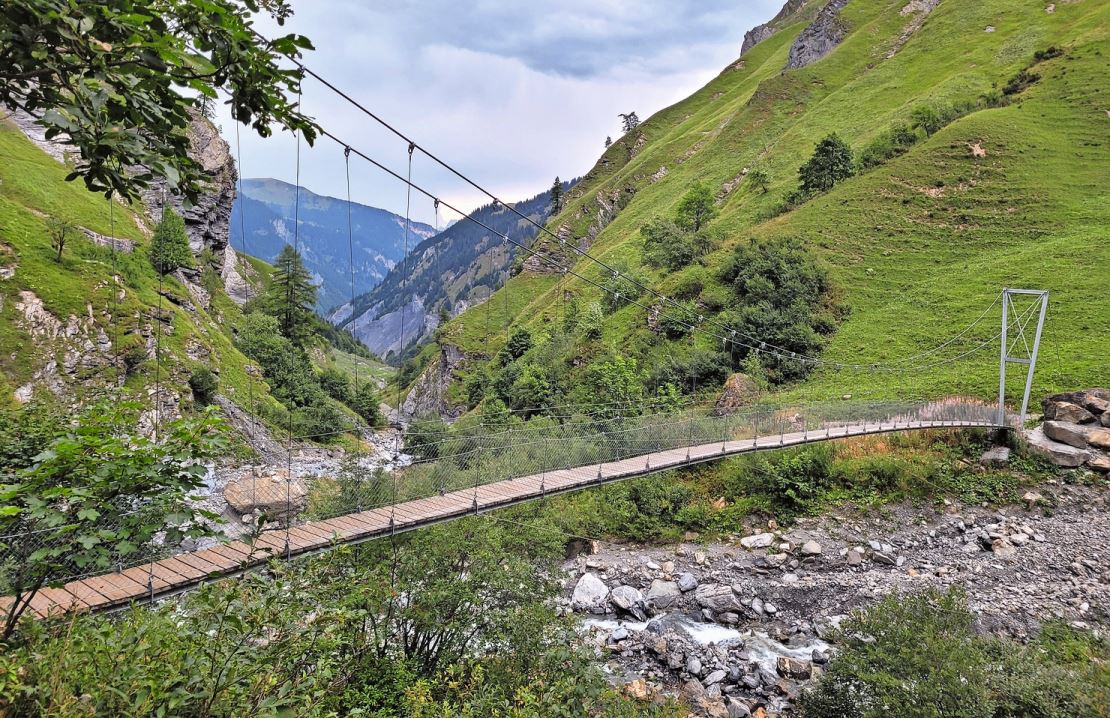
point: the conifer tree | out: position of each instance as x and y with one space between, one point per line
556 196
169 249
831 162
291 296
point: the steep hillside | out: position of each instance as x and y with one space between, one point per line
74 328
267 209
1009 189
447 273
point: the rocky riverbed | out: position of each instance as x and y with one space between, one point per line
739 626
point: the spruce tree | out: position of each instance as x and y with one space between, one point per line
556 196
169 249
291 296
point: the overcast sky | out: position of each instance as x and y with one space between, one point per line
511 92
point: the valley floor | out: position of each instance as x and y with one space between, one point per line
1020 567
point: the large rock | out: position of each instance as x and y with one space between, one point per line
1093 401
1065 433
759 33
627 599
663 594
794 668
717 597
429 395
1099 438
1099 463
687 582
1059 454
758 540
273 495
740 390
819 39
590 592
1068 412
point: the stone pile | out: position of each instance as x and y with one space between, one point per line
1076 430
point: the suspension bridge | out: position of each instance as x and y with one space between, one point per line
478 477
481 470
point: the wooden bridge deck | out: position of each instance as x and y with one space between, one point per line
166 577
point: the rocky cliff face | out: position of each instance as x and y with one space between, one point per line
759 33
208 222
428 396
819 39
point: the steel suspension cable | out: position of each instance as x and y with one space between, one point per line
760 348
765 347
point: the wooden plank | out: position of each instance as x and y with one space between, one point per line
115 587
64 600
204 566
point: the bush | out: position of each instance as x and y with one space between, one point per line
169 248
784 299
622 288
203 384
1020 82
670 246
701 369
365 402
518 345
335 384
888 145
918 656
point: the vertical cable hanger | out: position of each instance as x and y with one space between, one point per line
249 287
289 298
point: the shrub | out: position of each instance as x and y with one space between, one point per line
668 245
518 345
701 369
784 299
203 384
169 248
918 656
590 321
620 290
927 119
335 384
1020 82
365 402
888 145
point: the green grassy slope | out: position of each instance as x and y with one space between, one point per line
917 247
33 189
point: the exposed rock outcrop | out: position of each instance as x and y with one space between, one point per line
208 222
759 33
819 39
740 390
428 396
918 10
1074 432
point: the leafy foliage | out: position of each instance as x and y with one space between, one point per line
450 621
668 245
169 248
696 208
203 383
918 656
831 163
783 300
99 495
92 73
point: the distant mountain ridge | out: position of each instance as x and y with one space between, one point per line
456 269
267 208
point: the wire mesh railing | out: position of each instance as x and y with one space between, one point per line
474 458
